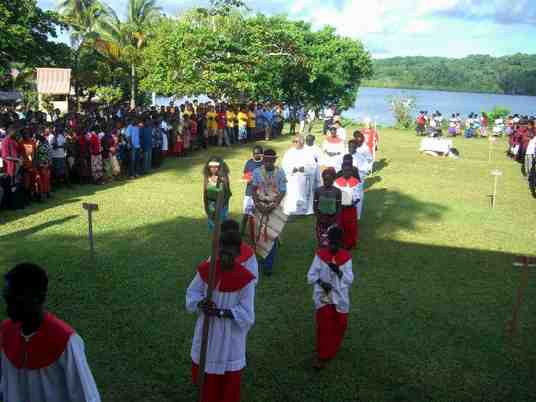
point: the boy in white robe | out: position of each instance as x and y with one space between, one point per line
42 357
231 311
331 276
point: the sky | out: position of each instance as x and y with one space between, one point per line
388 28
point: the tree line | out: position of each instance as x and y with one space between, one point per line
224 50
515 75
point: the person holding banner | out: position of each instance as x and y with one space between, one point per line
216 179
231 314
269 188
327 206
302 175
249 206
331 276
350 187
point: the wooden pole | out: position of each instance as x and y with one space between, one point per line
211 279
494 196
513 324
90 208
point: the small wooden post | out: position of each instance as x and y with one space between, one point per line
211 279
525 262
90 208
495 173
491 141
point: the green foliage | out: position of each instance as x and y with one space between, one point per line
24 38
46 103
268 58
30 100
108 95
498 112
403 109
514 74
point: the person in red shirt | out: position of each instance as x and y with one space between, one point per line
27 148
350 189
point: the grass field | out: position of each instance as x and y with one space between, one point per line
435 283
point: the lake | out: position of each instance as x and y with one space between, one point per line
373 103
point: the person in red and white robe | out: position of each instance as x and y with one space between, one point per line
332 276
231 311
247 256
42 357
333 149
350 187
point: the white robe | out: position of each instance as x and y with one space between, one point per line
227 337
340 293
68 379
300 186
334 148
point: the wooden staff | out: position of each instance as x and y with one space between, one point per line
90 208
525 262
211 279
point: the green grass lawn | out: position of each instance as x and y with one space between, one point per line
434 290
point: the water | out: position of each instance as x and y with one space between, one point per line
374 103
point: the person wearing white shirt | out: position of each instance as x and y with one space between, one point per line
530 152
341 131
331 276
231 311
302 174
329 112
56 369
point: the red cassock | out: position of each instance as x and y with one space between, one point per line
332 315
348 218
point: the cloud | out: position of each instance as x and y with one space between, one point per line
499 11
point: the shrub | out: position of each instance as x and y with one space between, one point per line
403 109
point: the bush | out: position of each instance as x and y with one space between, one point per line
108 95
498 112
403 108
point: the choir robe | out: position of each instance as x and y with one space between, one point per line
48 366
351 194
248 259
363 161
226 351
331 309
300 185
333 150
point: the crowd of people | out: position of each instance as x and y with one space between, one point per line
41 151
473 126
522 146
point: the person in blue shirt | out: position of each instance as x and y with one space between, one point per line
269 186
268 118
132 135
249 206
147 144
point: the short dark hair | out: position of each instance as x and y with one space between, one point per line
270 153
258 149
230 225
335 234
28 276
230 239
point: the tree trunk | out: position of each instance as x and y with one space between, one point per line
75 77
132 86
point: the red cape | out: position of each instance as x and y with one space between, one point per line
341 258
42 350
227 281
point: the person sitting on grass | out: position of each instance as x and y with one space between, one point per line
331 276
231 311
42 357
327 206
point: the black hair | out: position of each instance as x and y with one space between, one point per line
347 158
258 149
230 225
269 153
28 276
310 137
335 234
230 239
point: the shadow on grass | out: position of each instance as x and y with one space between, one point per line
426 321
380 165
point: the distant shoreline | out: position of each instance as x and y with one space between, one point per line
380 85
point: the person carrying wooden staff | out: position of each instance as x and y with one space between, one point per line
222 293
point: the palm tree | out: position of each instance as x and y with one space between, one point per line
82 17
123 41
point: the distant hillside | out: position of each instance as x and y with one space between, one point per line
514 75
